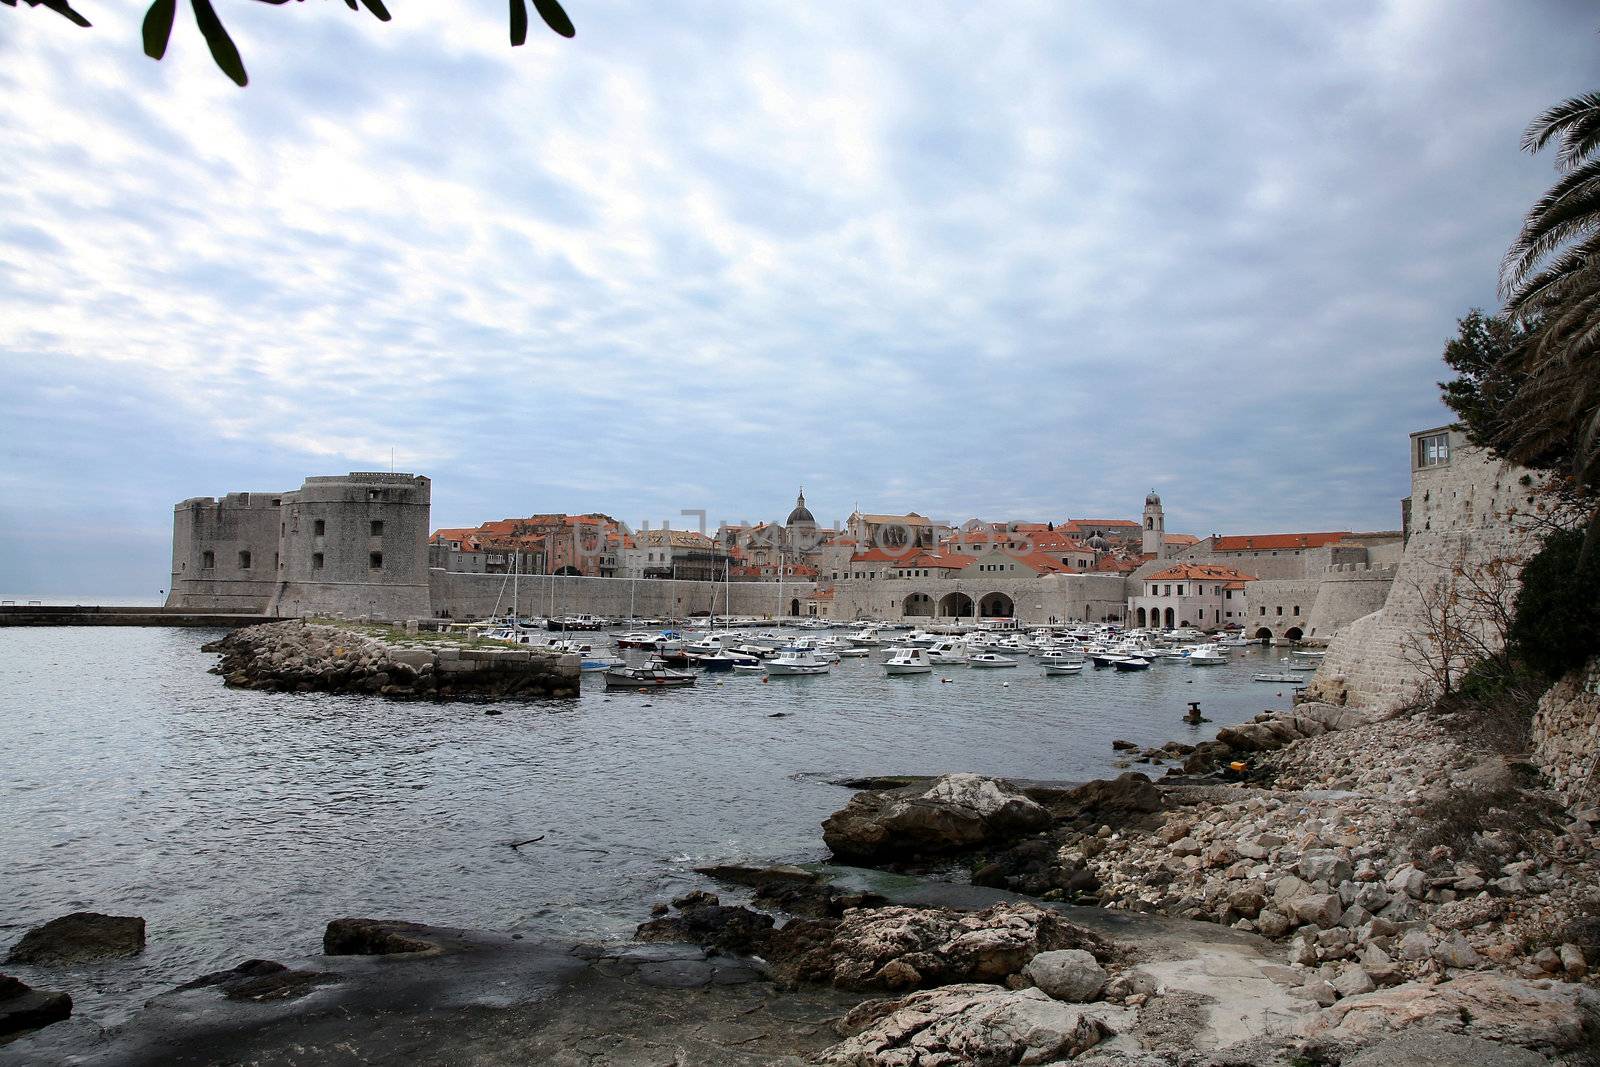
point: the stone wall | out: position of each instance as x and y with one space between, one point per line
1033 600
225 553
1280 607
1348 592
457 595
1466 510
1566 732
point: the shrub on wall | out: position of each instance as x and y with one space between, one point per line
1557 623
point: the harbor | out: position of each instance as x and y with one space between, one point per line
237 821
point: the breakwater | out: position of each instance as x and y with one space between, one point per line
355 658
117 615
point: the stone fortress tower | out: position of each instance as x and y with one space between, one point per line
1155 527
352 545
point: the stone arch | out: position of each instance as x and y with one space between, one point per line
1169 618
996 606
955 606
1293 633
569 571
794 607
917 604
1141 618
1263 634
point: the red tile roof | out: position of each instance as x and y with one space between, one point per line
1263 542
942 561
1203 571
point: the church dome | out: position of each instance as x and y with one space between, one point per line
1152 498
800 515
1098 543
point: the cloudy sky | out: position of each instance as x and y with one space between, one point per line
1012 260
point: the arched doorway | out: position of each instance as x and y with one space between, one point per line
956 606
1293 633
917 604
1263 634
794 607
1169 618
569 571
1141 619
996 606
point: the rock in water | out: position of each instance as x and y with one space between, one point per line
969 1024
958 812
374 937
80 937
24 1008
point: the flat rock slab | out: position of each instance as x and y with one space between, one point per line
24 1008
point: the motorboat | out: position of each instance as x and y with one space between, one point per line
990 660
1278 676
949 651
908 661
749 668
716 663
796 661
1052 669
710 645
853 652
1132 663
867 637
1206 656
653 675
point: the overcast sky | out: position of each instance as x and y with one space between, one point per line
1011 260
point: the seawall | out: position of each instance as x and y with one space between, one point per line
95 615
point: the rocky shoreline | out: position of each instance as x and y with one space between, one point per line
305 657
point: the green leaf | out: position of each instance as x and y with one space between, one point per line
555 17
158 27
519 23
222 47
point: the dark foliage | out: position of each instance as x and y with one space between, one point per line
159 18
1557 622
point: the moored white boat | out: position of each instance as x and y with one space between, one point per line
908 661
990 660
796 661
1055 669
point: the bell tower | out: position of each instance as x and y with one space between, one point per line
1155 527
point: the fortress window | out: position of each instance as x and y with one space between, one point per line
319 527
1280 609
1433 450
1297 609
377 527
375 561
316 561
208 559
244 561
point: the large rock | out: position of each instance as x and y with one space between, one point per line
375 937
1067 974
261 980
960 811
24 1008
912 948
979 1025
728 929
1128 794
1425 1049
1486 1005
80 937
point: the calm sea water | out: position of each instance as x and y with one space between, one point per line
238 823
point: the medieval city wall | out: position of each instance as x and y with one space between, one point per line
1465 511
1033 600
462 596
1346 593
224 553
